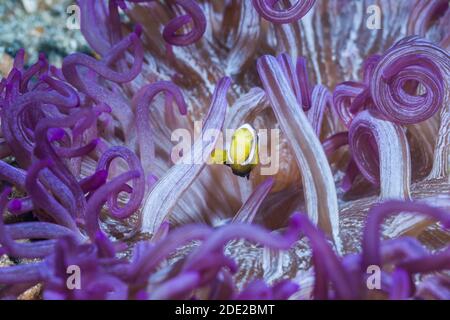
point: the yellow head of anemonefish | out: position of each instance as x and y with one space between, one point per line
242 152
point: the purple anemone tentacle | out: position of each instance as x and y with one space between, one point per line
329 265
249 232
266 8
194 15
141 101
168 189
379 212
321 98
381 151
30 230
100 196
44 200
334 142
401 285
247 212
138 190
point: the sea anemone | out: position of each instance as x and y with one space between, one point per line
109 201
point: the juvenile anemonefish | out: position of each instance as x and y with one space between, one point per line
242 152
